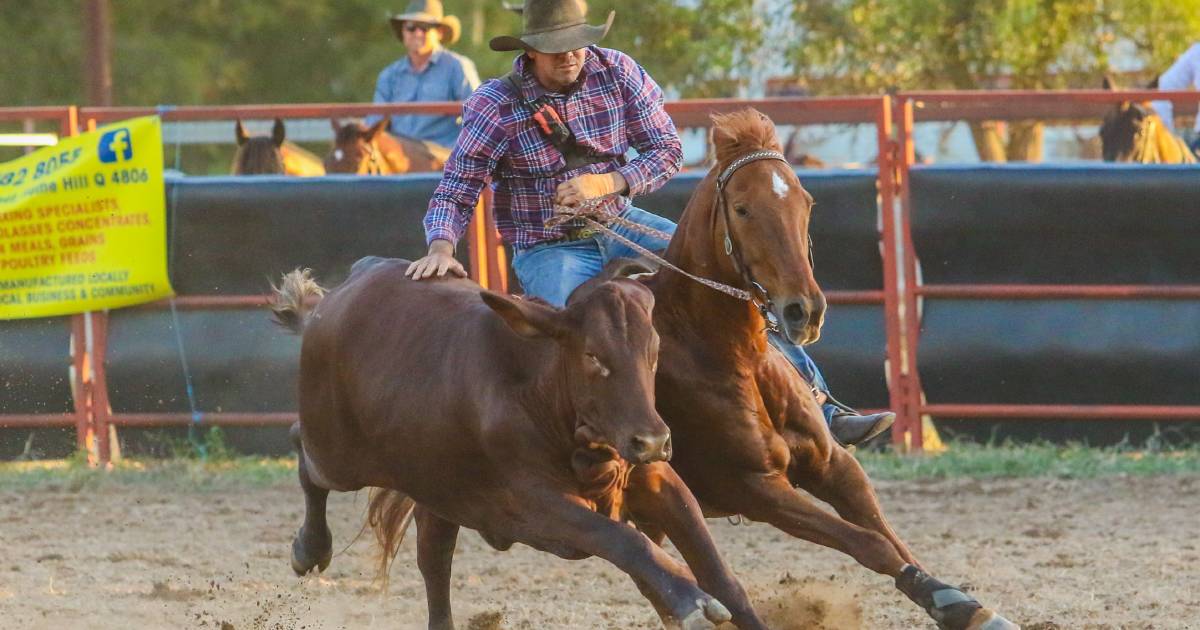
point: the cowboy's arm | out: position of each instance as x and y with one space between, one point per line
383 89
468 81
474 158
650 131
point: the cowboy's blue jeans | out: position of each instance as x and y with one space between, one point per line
551 271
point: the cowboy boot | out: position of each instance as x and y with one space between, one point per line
850 428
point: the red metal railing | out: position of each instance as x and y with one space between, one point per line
1010 105
894 119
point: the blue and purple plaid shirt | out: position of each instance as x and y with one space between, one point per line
614 106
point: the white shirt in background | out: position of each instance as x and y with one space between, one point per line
1182 75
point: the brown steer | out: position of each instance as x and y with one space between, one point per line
523 422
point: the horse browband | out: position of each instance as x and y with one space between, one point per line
764 305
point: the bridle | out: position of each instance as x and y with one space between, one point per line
374 161
587 212
765 305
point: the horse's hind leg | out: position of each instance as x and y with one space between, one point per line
313 545
436 539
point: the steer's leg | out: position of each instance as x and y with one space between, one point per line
436 538
554 520
658 497
313 545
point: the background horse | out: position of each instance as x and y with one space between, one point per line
373 151
274 155
747 428
1133 132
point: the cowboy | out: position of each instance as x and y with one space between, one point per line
428 72
555 131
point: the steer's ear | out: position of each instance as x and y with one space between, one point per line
525 317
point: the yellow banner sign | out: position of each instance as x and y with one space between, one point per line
83 223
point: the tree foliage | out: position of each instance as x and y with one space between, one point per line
866 46
193 52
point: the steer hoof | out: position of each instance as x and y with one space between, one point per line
710 614
303 560
986 619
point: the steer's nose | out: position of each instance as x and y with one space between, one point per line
651 448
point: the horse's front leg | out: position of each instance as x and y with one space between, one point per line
657 497
553 520
839 480
770 498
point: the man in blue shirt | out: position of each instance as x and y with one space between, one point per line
428 72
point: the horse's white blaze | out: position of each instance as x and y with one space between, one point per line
779 185
337 154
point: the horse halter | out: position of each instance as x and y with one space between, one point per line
374 161
764 305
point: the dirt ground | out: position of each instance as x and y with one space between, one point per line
1106 553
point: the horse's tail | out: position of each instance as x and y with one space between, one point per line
388 513
292 303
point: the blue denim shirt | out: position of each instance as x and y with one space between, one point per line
448 77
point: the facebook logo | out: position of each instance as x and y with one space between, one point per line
115 146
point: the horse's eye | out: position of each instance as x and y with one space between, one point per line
741 211
596 364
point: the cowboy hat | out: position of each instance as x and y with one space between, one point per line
428 12
554 26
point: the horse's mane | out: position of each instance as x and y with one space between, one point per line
258 156
738 133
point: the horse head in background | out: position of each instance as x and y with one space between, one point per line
363 150
272 155
1133 132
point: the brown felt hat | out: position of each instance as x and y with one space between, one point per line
428 12
554 26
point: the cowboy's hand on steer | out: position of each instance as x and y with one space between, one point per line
438 261
573 192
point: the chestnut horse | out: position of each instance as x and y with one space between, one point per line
274 155
475 409
370 150
1133 132
747 428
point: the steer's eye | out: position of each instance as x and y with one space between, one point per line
595 363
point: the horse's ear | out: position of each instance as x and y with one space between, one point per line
337 126
240 131
524 317
376 129
1109 84
277 133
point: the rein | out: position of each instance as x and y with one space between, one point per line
587 212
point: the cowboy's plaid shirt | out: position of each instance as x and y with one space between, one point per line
615 106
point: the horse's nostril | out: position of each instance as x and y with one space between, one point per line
794 313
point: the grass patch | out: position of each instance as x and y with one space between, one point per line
189 472
1072 461
186 474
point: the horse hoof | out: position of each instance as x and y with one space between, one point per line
985 619
303 561
710 614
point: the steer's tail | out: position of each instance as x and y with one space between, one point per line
389 512
294 298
